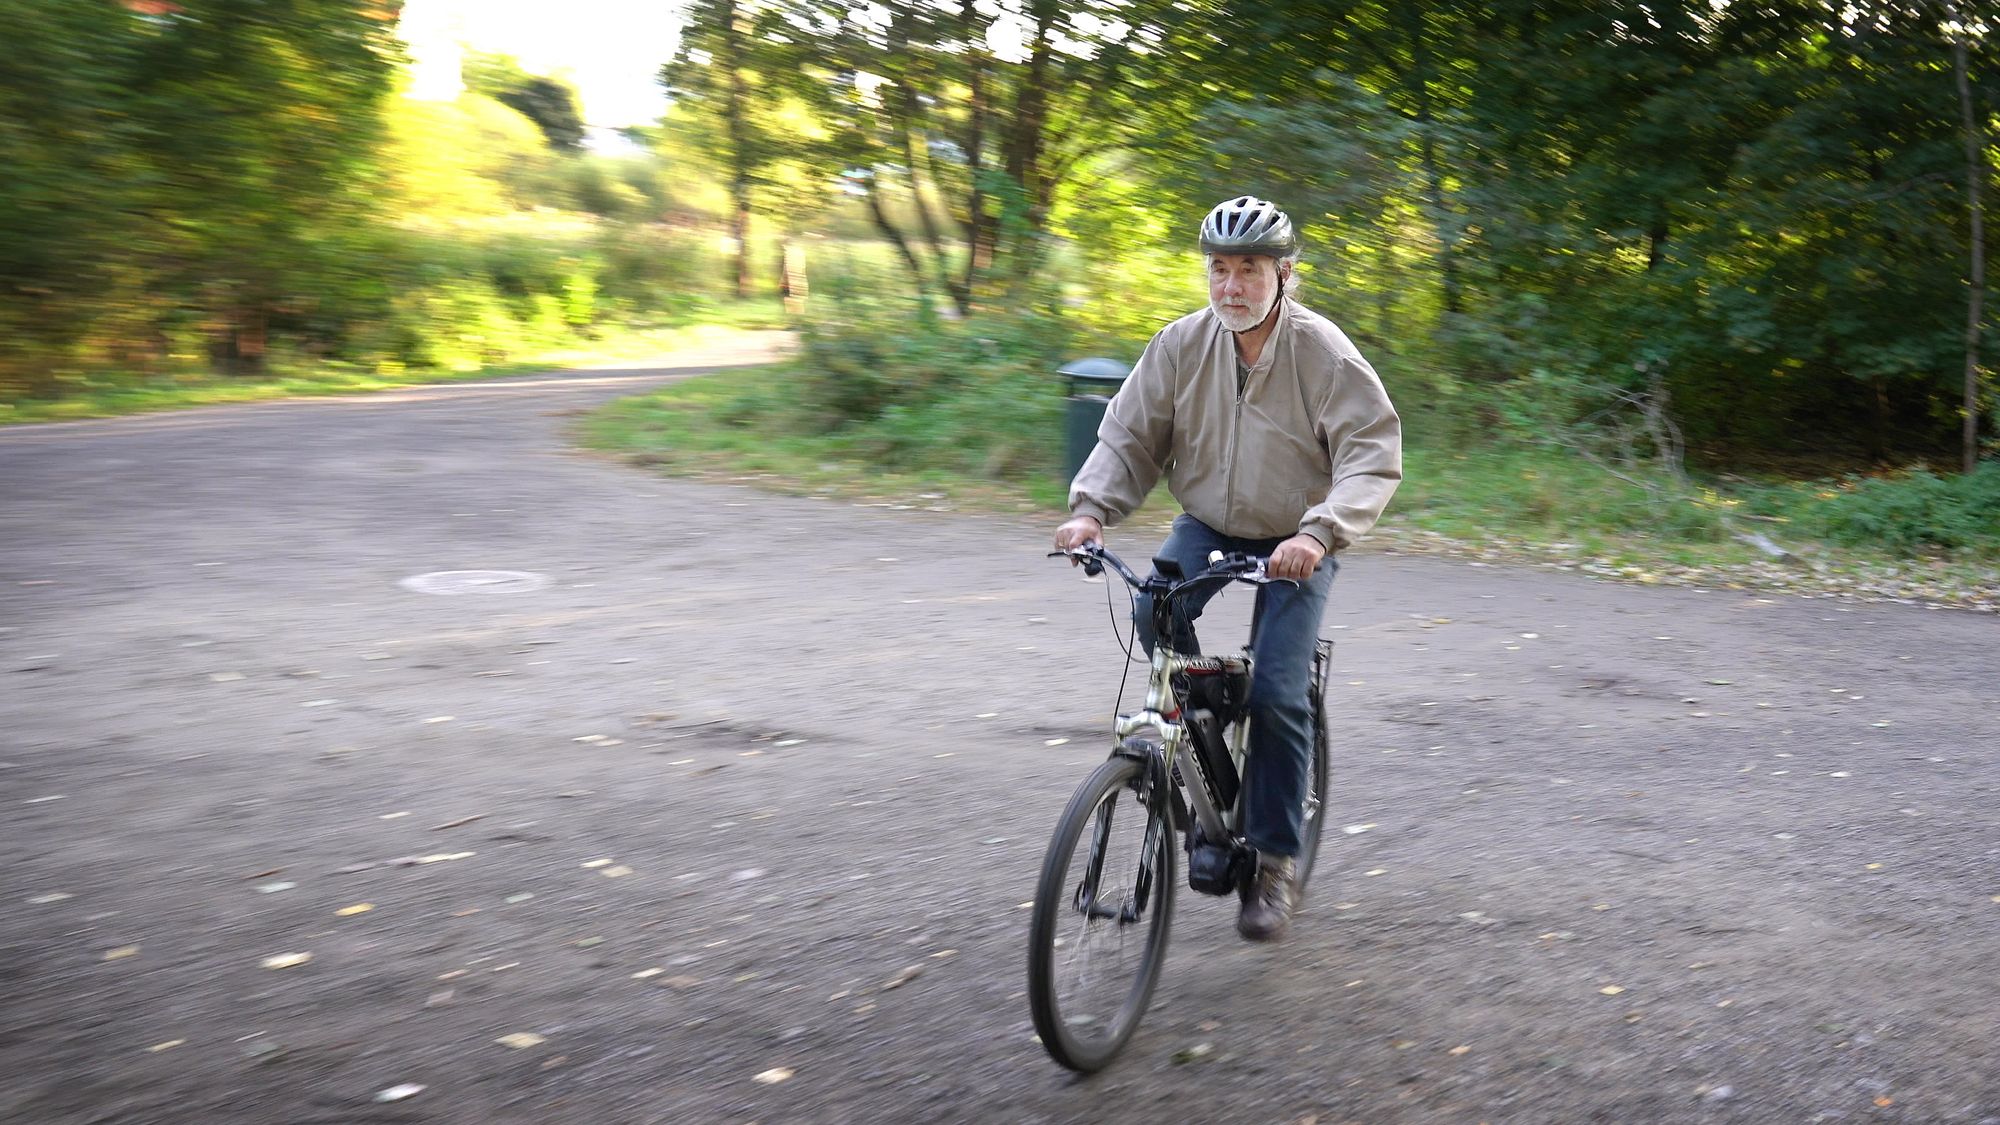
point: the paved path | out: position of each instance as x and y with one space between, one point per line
1616 854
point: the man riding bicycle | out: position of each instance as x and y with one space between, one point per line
1277 439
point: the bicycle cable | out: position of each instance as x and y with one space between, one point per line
1132 604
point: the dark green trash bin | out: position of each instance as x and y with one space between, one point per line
1091 383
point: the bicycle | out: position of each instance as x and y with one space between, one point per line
1178 766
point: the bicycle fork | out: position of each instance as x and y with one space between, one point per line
1086 900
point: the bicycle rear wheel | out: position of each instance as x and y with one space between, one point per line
1314 824
1103 904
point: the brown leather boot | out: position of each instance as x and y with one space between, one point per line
1267 904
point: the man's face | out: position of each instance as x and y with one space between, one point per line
1242 288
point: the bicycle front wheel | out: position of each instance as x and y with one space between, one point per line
1103 904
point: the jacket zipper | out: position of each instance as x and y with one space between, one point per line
1235 430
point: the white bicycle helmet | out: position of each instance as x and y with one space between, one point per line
1248 225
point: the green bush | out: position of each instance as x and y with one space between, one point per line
979 397
1913 512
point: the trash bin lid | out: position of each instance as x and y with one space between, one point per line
1096 372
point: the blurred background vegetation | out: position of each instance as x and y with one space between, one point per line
1657 267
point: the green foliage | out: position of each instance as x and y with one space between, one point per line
206 169
469 157
1916 511
935 400
979 398
552 105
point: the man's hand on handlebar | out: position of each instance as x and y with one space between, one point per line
1295 558
1078 531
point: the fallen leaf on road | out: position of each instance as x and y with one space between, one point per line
357 908
597 863
285 960
1195 1053
618 872
167 1046
775 1075
58 896
1611 989
520 1040
455 823
121 953
1459 1050
273 888
398 1093
903 976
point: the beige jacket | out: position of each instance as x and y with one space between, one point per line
1311 444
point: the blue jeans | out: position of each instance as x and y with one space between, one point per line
1283 628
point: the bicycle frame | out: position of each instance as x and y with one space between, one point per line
1160 713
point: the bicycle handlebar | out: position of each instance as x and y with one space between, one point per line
1235 567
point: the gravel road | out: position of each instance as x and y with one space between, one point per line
727 807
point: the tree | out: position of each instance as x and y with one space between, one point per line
260 122
70 203
1975 178
749 94
977 141
550 104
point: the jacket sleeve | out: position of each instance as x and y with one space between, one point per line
1364 440
1134 442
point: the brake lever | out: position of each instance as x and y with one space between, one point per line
1092 565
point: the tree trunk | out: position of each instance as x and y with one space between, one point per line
1975 162
933 239
792 283
739 232
238 349
739 147
1413 25
1026 135
978 231
894 236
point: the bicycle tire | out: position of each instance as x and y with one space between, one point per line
1314 826
1054 906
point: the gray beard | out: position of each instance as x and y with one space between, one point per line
1241 321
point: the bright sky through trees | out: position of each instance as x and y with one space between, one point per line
610 49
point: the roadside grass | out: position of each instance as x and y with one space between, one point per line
1491 501
732 426
110 396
